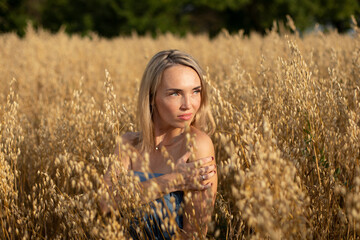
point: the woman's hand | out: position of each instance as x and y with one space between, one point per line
196 173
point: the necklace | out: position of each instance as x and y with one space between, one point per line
159 146
174 141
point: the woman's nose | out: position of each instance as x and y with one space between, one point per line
185 103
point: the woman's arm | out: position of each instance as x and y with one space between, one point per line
182 178
199 207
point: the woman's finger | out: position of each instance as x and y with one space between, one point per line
207 169
200 187
207 176
203 161
200 162
205 186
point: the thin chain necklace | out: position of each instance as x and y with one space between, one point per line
177 139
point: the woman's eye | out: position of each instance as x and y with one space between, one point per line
174 94
197 91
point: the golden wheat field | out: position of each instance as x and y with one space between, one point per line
287 140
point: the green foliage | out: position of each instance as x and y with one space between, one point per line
110 18
12 16
222 5
336 12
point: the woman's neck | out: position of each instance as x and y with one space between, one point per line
168 136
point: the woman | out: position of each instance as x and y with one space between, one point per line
173 106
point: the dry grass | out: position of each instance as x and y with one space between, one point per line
287 141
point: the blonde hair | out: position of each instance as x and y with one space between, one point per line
149 84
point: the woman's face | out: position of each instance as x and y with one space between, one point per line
178 97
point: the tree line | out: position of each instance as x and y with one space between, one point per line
111 18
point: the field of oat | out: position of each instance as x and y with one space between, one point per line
287 109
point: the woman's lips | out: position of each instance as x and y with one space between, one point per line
185 117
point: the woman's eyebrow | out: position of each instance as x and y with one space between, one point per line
173 90
180 90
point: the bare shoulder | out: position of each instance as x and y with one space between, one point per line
131 138
204 145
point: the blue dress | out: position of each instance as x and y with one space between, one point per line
153 222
